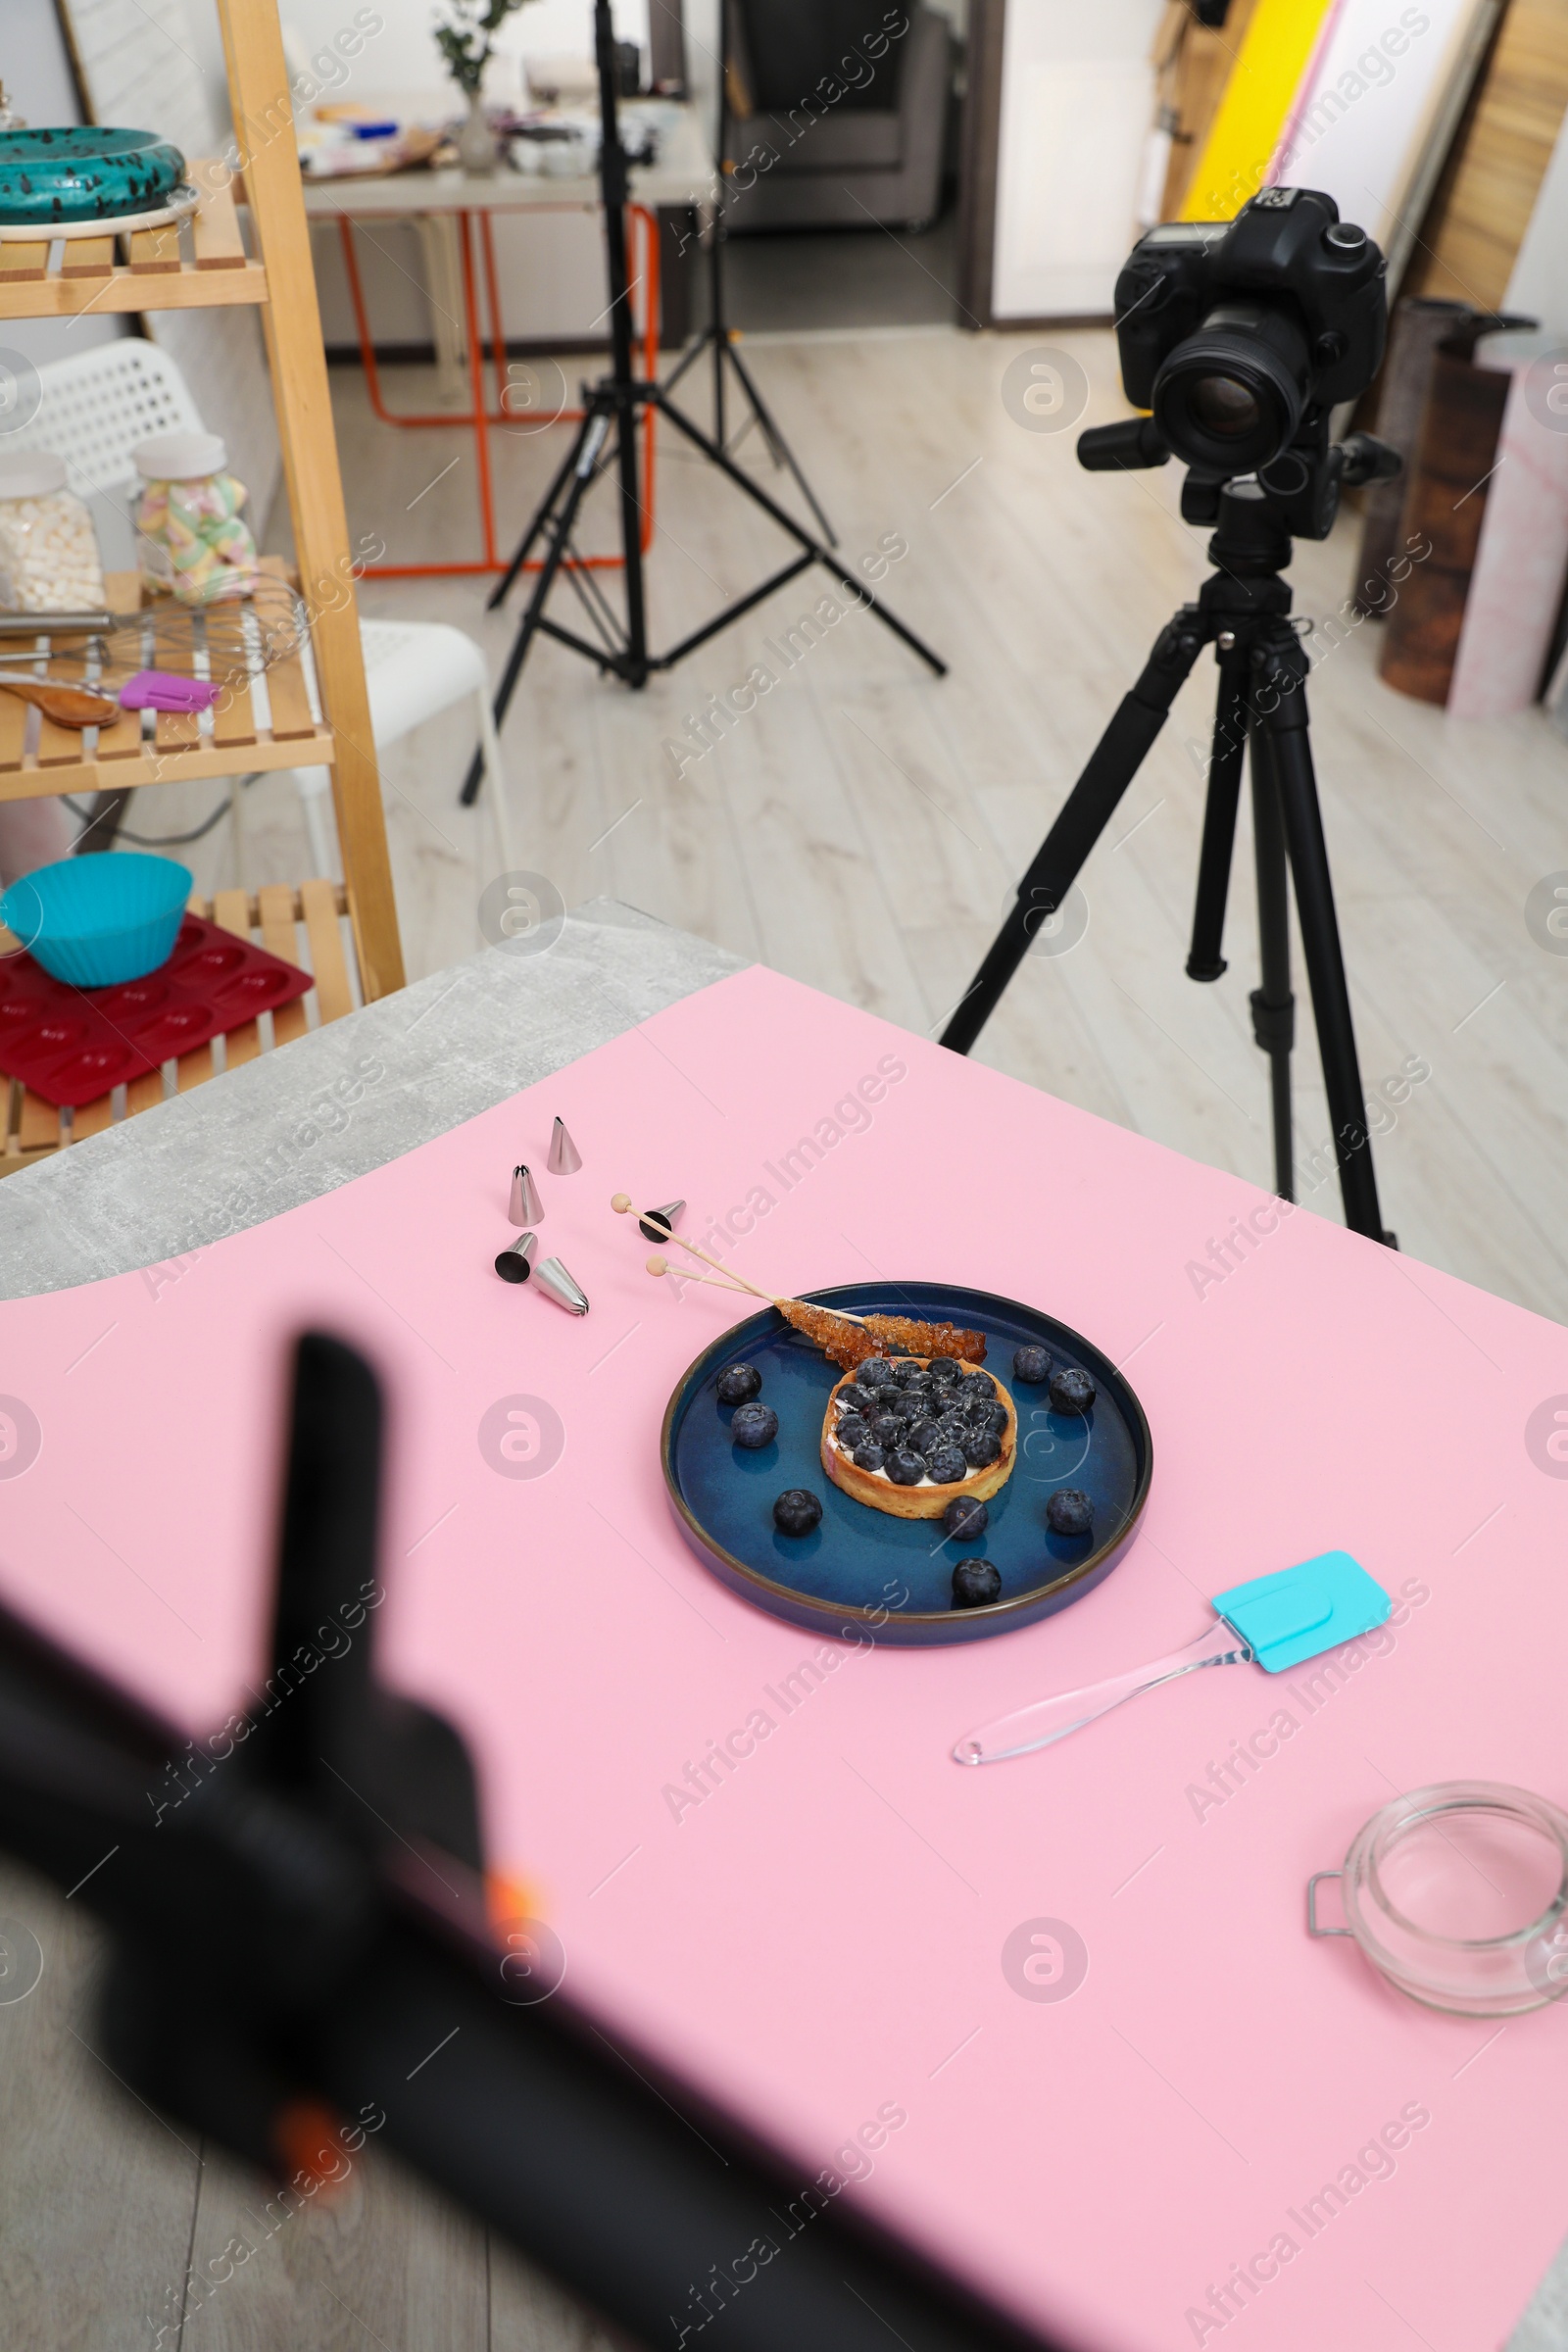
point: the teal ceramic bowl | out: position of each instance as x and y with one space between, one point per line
57 177
95 921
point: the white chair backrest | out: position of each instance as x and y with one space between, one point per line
97 405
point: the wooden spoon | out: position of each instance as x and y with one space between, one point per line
66 706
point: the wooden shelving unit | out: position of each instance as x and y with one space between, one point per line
210 261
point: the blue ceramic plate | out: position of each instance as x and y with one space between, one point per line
862 1571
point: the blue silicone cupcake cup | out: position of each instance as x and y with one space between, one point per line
95 921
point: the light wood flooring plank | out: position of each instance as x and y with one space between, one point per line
387 2260
96 2193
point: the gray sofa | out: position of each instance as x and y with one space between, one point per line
838 113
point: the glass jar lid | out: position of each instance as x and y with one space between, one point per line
179 456
31 473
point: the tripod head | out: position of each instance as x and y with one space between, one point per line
1301 487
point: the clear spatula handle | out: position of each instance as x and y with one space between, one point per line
1051 1719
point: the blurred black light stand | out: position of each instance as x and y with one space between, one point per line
607 436
718 338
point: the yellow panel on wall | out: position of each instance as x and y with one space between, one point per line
1264 79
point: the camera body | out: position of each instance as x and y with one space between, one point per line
1243 336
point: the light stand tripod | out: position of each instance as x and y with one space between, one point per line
717 336
608 435
1242 611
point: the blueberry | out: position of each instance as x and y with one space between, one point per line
876 1373
905 1469
738 1384
947 1465
908 1374
869 1457
851 1431
980 1448
943 1369
991 1416
955 1427
975 1584
797 1511
1031 1365
979 1383
1069 1511
926 1434
1072 1392
886 1428
966 1517
753 1424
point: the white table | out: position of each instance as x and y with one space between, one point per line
452 210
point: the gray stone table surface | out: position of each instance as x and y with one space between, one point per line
344 1100
341 1100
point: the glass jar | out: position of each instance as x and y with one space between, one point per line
191 539
1458 1894
49 559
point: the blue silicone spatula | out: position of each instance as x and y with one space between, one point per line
1274 1622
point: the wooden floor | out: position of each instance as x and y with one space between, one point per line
863 826
861 829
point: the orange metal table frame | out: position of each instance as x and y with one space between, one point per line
482 417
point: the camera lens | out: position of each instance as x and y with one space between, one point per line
1230 396
1223 405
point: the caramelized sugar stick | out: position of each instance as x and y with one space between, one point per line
843 1341
926 1339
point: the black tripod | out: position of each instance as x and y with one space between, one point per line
1242 611
717 336
608 435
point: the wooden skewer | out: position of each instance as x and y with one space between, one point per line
662 1265
621 1203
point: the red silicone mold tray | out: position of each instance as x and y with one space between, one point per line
71 1045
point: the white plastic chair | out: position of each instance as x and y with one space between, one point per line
413 669
95 408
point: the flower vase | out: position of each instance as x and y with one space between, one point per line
477 149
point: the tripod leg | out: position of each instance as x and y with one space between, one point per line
1112 764
1204 962
720 346
1273 1004
786 522
1282 713
781 452
541 515
590 442
631 523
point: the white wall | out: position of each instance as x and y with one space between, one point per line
1077 99
402 60
38 79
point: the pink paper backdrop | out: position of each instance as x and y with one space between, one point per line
826 1934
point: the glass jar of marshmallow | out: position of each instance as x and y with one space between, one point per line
192 539
49 559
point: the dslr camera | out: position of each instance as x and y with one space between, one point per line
1241 338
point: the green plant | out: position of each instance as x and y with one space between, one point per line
466 39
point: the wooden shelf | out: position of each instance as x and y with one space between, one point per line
202 261
246 733
303 926
200 265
